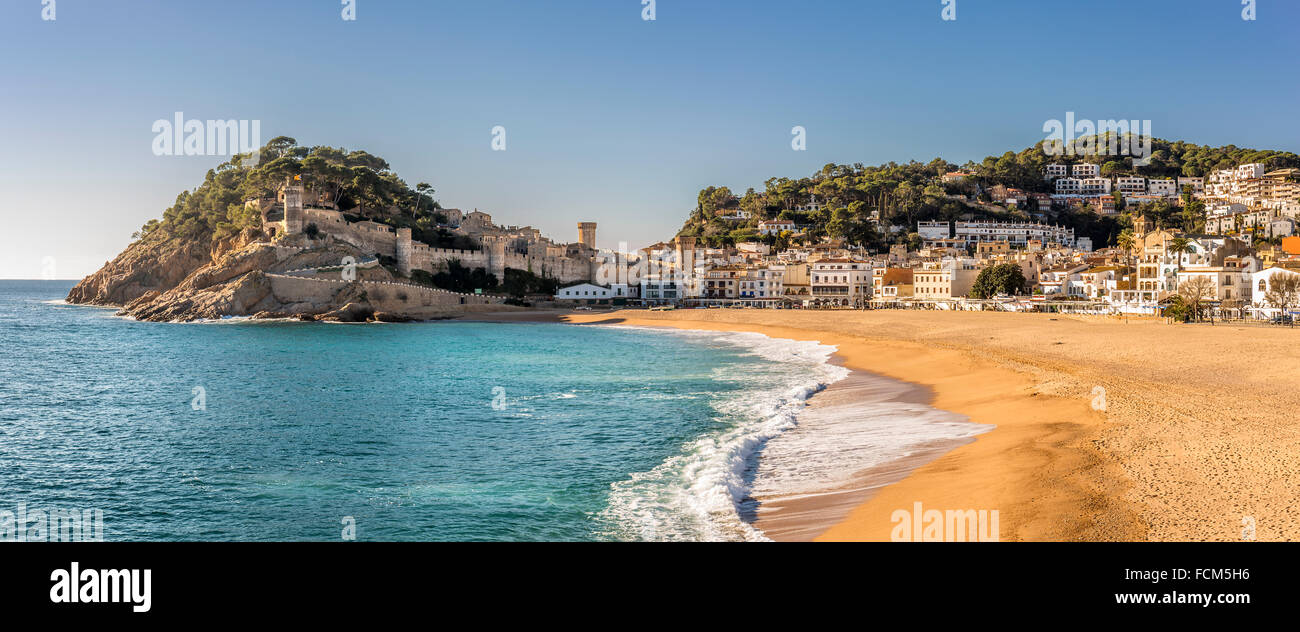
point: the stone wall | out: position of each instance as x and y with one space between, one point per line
398 298
495 257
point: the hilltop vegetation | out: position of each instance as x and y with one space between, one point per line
358 182
905 194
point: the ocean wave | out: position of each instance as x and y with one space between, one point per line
704 492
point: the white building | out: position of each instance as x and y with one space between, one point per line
1197 184
1086 170
1131 184
1068 186
841 282
774 227
591 293
1015 233
1094 186
1261 282
1167 188
660 289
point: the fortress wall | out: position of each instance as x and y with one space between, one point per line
369 236
435 260
563 268
383 240
383 296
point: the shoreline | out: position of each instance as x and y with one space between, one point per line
804 516
1036 466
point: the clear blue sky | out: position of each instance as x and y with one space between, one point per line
609 118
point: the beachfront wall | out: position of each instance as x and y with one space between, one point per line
303 294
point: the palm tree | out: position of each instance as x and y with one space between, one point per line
1126 241
1179 246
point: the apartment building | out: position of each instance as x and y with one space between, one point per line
761 283
1085 170
1197 184
951 278
1131 184
1018 234
842 282
1166 188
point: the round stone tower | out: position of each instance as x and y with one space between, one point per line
404 251
293 207
587 234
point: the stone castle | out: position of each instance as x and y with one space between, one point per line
520 248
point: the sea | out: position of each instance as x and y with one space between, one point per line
242 430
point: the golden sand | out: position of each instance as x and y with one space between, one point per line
1198 430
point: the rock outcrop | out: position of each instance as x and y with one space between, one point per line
160 279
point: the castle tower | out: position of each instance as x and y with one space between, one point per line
684 249
587 234
404 251
495 247
293 193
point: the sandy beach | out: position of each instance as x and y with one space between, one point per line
1106 429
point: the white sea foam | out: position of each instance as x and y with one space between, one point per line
700 493
707 491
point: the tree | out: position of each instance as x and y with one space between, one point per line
1004 278
1195 292
421 190
1283 291
1179 246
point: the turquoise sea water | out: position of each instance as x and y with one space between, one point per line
430 431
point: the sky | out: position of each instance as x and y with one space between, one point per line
608 117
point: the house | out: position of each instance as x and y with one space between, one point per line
590 293
775 226
1261 283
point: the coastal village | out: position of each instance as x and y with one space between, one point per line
1232 271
